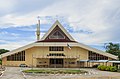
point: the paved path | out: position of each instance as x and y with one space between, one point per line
12 73
15 73
97 72
94 74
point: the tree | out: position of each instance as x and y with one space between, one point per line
3 51
113 49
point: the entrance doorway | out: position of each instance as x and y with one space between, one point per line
56 62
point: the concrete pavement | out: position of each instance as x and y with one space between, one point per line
12 73
15 73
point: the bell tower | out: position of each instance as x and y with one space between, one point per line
38 29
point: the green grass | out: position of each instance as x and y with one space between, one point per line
55 71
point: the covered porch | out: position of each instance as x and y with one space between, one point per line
95 63
56 61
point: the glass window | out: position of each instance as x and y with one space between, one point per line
56 48
56 54
57 35
20 56
95 56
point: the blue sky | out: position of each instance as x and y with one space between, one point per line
92 22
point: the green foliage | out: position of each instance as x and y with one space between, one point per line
113 49
103 68
107 68
51 71
118 70
3 51
113 69
99 67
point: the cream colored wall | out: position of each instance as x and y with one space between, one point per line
43 60
35 51
73 52
76 52
11 63
67 61
80 53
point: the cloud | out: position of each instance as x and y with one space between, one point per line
88 21
13 45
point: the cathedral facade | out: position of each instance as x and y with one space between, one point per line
57 48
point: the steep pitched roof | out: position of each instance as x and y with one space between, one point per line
59 27
72 44
58 43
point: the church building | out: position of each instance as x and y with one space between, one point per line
57 48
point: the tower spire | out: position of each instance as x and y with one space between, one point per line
38 29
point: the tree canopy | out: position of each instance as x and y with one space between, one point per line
3 51
113 49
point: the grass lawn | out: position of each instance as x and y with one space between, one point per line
55 71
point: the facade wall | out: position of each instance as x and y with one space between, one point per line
32 53
32 57
11 63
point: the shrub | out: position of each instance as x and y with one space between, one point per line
108 68
118 70
113 69
103 67
99 67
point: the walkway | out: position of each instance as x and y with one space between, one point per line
93 74
12 73
15 73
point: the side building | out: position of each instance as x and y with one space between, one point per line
57 48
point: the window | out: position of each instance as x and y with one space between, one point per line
57 35
56 54
20 56
56 48
95 56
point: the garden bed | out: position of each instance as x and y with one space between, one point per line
55 71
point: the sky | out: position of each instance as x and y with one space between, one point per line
92 22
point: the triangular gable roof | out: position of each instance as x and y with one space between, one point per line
59 44
57 23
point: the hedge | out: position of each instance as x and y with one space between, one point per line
107 68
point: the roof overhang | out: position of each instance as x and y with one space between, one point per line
99 61
72 44
114 61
